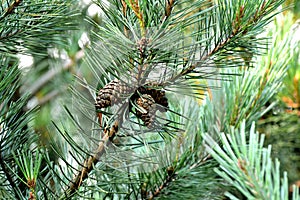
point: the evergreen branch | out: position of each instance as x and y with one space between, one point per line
124 10
168 179
51 74
45 78
169 8
7 174
240 28
12 34
10 9
195 182
90 163
189 171
139 14
247 165
28 25
109 64
14 130
247 96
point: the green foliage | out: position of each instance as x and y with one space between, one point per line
29 165
283 120
183 49
32 26
246 95
285 125
28 28
15 134
247 165
189 45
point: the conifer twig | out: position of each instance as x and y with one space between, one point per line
238 28
7 174
169 8
10 9
90 162
48 76
124 10
170 177
139 14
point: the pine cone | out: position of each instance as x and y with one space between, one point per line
160 98
146 102
158 95
111 94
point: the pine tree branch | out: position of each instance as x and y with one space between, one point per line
45 99
30 27
10 9
7 175
89 163
45 78
170 177
14 130
169 8
48 76
219 48
238 30
124 10
10 35
247 165
139 14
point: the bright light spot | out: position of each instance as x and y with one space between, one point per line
25 61
84 40
86 2
56 53
94 10
296 36
32 103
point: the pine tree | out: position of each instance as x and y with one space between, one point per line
164 103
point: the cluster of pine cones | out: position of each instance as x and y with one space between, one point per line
147 98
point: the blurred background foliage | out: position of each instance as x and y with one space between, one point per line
47 77
282 124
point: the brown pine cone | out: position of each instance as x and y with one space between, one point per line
160 98
158 95
146 102
111 94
